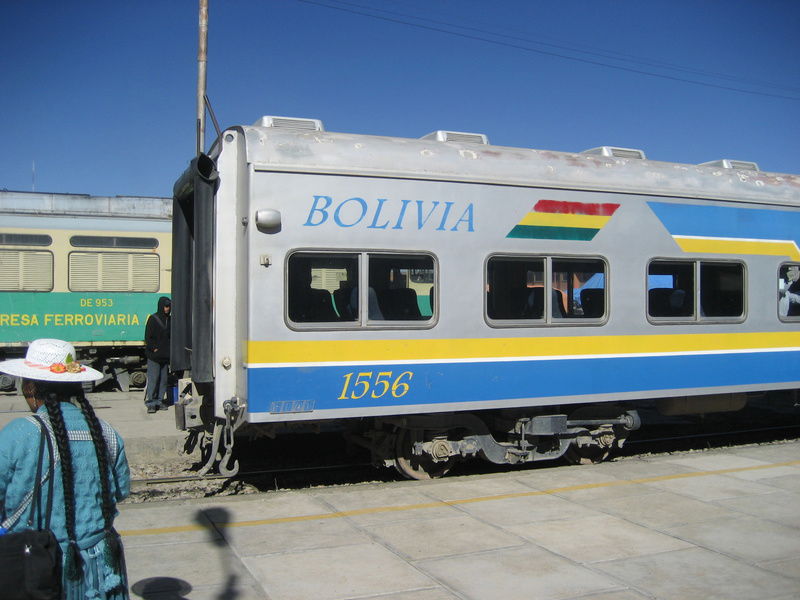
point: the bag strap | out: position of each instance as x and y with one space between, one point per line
50 480
37 486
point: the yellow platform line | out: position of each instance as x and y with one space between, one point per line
449 503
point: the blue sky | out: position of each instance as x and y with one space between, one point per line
100 95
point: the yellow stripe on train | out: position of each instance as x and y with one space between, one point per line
740 247
388 350
564 220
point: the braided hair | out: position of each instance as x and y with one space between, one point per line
113 544
52 401
52 394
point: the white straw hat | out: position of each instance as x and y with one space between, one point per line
50 360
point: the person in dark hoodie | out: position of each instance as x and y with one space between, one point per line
156 341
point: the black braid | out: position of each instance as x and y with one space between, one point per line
72 562
113 546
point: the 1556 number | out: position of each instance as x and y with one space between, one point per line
376 384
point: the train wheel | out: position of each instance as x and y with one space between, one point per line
413 466
595 447
586 455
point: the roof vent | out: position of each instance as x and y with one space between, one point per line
290 123
726 163
457 136
613 152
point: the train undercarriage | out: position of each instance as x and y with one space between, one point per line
425 446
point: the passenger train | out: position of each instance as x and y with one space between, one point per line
87 269
441 298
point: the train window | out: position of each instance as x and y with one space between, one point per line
517 288
113 272
402 287
789 291
322 288
721 289
325 287
672 287
107 241
26 271
25 239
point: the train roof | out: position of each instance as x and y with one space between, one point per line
302 145
39 203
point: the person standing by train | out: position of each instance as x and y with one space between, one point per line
157 340
88 466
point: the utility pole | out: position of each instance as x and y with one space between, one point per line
202 52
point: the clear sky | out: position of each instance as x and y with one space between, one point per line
100 95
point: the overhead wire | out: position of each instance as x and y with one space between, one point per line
352 8
589 50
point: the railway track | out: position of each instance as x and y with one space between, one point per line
262 472
261 477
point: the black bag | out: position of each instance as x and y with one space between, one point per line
30 560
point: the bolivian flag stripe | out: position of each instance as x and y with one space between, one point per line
553 233
561 220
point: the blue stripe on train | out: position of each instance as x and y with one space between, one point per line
330 388
727 221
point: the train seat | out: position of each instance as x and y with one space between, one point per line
667 302
534 307
534 303
508 303
346 302
373 308
593 302
399 304
718 303
312 305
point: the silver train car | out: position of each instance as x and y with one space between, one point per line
441 298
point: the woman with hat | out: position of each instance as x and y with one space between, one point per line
90 470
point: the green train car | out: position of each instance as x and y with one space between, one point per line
87 269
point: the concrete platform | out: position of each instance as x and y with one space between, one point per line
719 524
149 438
